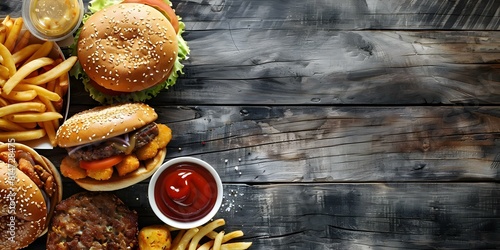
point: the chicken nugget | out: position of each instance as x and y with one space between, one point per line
100 174
147 151
155 237
71 169
127 165
164 135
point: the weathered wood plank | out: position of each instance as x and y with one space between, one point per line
337 144
343 15
332 67
355 216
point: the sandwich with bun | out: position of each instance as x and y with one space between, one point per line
30 188
113 146
129 50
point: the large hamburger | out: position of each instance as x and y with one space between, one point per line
112 147
30 188
129 50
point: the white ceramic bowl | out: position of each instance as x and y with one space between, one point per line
156 180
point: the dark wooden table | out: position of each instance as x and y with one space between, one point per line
335 124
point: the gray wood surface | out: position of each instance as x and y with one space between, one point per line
359 124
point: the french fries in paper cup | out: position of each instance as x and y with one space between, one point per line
34 81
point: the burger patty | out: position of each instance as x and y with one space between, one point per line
93 220
108 148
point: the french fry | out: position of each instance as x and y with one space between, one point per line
59 70
41 91
8 25
51 132
22 107
28 125
33 117
43 51
235 245
8 61
206 246
186 238
26 52
3 102
204 231
177 239
7 125
4 72
10 42
50 107
20 95
23 41
5 20
218 240
51 86
27 135
64 84
232 235
3 33
24 71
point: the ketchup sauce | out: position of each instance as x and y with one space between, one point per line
185 192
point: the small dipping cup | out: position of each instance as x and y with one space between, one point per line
185 192
52 20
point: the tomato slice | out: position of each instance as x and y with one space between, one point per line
163 7
102 163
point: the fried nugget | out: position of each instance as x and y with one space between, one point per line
71 169
100 174
147 151
155 237
127 165
164 135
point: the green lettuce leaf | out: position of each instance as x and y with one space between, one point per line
140 96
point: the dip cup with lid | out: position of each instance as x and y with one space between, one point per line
185 192
52 20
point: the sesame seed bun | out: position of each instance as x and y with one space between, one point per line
104 122
119 182
32 212
127 47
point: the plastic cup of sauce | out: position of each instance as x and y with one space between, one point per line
52 20
185 192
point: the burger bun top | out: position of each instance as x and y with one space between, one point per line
127 47
103 122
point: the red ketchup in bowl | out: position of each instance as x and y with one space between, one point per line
185 192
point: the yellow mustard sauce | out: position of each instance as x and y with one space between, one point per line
54 17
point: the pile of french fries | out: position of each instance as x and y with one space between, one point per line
32 84
191 238
205 237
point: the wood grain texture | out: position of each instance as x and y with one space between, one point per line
258 144
336 144
355 216
344 15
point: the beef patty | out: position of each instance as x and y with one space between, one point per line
109 148
93 220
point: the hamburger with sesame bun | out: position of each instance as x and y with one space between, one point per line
30 188
129 50
112 147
